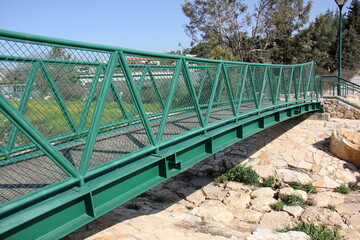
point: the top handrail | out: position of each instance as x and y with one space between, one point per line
343 79
32 38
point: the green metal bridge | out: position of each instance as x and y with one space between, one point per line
85 128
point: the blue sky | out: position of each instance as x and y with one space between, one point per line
152 25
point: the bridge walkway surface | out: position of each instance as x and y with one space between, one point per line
85 127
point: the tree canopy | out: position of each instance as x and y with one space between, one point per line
275 31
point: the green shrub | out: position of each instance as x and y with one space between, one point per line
309 188
316 232
279 206
343 189
331 207
239 173
269 182
353 186
294 200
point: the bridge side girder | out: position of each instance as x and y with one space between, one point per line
65 211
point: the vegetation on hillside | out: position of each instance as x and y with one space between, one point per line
273 31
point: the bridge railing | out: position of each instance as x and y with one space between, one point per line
70 110
332 85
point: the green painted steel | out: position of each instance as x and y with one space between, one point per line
86 127
332 85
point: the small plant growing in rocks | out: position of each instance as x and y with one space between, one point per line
331 207
309 187
317 232
354 186
343 189
239 173
279 206
294 200
190 207
269 182
251 222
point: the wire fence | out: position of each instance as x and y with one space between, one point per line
68 109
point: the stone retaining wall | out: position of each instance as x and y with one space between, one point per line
339 109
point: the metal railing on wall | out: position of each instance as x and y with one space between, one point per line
331 83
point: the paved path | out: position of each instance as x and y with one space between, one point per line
190 206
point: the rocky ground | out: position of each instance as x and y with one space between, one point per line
192 206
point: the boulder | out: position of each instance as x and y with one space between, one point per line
237 199
294 211
348 208
354 221
264 171
287 176
214 192
324 199
265 192
276 220
248 215
345 143
213 210
262 204
191 195
267 234
321 217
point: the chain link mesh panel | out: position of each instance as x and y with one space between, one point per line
56 88
18 176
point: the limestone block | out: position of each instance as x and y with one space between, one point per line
267 234
321 217
345 143
265 192
276 220
324 199
213 210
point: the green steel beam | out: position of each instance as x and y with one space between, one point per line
229 89
23 103
90 98
119 102
156 87
58 96
136 98
173 85
242 89
253 88
263 86
192 91
36 137
66 211
91 139
213 93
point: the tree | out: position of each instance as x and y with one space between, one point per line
353 16
65 76
278 21
221 28
218 24
351 37
318 42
